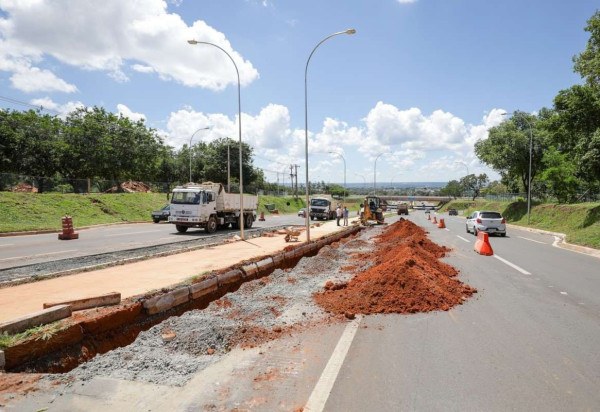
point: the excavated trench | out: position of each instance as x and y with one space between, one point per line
394 269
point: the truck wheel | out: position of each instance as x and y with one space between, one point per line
248 221
235 225
156 220
211 225
181 229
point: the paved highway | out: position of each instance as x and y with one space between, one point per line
29 249
528 340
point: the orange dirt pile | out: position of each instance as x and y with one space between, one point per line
407 277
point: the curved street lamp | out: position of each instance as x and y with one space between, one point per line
191 137
463 163
344 159
530 156
349 31
241 223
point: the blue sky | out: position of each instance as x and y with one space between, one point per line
420 81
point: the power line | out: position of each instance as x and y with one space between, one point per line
33 106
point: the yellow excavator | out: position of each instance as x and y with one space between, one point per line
371 210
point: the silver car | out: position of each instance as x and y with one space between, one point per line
486 221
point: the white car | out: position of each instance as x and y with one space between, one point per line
486 221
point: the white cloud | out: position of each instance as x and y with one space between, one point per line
62 109
33 79
406 1
126 112
105 38
142 69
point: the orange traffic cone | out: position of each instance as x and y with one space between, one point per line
428 217
68 232
262 216
435 220
482 244
442 225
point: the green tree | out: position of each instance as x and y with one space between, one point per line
453 188
587 63
559 175
506 150
474 184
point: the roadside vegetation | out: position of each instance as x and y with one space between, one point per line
580 222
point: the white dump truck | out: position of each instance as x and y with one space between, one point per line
207 205
322 207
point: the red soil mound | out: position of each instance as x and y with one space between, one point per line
407 277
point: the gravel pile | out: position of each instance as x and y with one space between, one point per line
171 352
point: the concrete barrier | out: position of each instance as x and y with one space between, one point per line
204 287
35 319
250 270
113 298
230 277
265 266
278 259
167 301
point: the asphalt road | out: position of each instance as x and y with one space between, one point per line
528 340
29 249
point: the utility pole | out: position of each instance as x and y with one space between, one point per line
296 175
228 171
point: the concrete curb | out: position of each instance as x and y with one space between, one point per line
204 287
167 301
113 298
563 244
31 320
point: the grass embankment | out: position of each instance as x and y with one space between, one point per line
21 212
580 222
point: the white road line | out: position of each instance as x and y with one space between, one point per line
531 240
512 265
41 254
320 394
447 229
7 244
462 238
133 233
563 293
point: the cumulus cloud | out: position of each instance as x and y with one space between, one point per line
406 1
62 109
126 112
33 79
106 38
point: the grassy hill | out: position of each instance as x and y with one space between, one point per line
580 222
21 212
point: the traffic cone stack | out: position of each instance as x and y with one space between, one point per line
68 232
442 225
482 244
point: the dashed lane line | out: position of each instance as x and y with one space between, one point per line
462 238
512 265
532 240
7 244
318 398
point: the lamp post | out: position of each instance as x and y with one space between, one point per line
340 155
363 177
349 31
375 173
241 222
191 137
530 157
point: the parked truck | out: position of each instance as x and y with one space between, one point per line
207 205
322 207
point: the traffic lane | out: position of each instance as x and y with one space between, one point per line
570 274
30 249
514 345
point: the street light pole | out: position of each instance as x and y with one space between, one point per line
530 157
349 31
463 163
241 222
340 155
191 137
375 173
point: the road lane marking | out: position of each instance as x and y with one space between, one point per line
320 394
563 293
133 233
7 244
512 265
462 238
39 255
446 229
531 240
